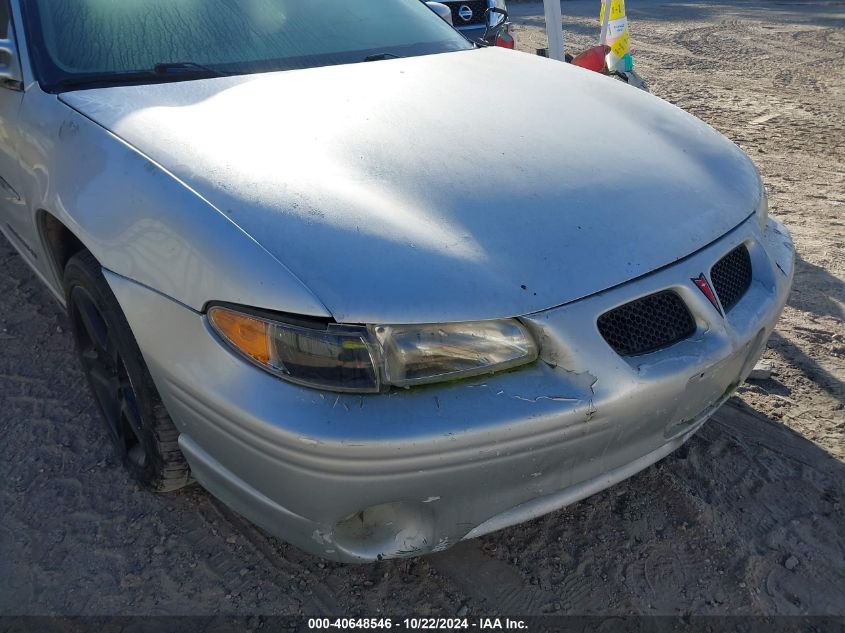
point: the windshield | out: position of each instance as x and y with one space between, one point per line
102 42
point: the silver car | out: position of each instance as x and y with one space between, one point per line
378 289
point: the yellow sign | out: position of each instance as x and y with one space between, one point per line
617 10
621 45
615 30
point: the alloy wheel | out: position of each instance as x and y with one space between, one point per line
106 372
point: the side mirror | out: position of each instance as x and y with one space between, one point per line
442 10
496 17
10 69
496 21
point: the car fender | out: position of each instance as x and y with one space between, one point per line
141 222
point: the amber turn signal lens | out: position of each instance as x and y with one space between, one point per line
247 334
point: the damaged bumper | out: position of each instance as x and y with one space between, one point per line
358 478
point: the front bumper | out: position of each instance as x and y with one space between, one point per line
357 478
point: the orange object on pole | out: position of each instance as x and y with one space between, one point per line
594 58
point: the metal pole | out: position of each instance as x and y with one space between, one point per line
605 20
554 29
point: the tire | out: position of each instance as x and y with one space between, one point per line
138 423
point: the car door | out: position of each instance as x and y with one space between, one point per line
12 209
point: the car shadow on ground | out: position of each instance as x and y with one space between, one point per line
821 296
809 366
813 283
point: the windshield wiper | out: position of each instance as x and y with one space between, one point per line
186 68
380 56
161 73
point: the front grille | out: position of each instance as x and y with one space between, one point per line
478 8
732 276
647 324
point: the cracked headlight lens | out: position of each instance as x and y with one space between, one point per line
421 354
368 359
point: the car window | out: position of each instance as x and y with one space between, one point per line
5 19
84 37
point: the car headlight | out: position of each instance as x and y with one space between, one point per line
763 208
422 354
369 359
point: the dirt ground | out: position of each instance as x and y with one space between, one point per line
748 520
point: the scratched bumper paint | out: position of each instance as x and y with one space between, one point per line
358 478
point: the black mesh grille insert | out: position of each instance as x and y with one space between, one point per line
478 8
732 276
647 324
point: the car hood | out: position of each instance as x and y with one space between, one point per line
469 185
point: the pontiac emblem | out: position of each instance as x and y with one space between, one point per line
704 285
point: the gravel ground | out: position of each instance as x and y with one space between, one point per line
748 519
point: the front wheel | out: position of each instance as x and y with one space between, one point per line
138 424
